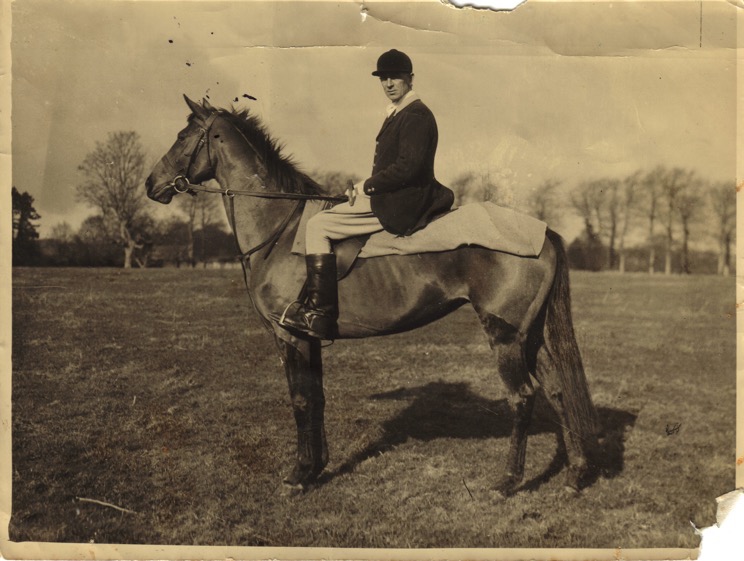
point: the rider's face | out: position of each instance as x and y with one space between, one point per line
396 85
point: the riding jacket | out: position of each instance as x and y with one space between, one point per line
405 195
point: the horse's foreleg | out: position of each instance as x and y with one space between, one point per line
304 368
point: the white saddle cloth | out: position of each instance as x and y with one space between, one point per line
474 224
481 224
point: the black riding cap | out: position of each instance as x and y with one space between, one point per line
393 62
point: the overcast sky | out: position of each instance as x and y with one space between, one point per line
567 91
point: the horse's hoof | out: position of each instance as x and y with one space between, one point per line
574 478
504 494
571 490
507 487
301 479
292 490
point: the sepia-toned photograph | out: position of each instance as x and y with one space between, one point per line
399 276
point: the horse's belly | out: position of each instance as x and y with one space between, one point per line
371 319
384 296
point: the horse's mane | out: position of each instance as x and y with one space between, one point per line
281 171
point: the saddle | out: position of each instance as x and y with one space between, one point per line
346 250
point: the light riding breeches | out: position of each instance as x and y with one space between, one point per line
338 223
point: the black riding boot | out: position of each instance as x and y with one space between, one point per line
318 314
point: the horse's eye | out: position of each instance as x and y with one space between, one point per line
181 137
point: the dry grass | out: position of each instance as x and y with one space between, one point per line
159 392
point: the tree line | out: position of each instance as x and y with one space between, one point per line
660 212
664 203
155 243
656 215
122 232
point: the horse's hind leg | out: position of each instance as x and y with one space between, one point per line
304 368
507 343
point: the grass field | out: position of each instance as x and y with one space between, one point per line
159 392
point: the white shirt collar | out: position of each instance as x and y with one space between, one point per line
402 103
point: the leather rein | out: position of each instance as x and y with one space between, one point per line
181 184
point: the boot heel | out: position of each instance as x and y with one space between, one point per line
322 327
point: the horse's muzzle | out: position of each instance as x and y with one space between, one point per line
162 194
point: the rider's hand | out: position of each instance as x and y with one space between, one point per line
359 188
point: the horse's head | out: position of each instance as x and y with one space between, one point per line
188 160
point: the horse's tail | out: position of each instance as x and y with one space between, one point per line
560 339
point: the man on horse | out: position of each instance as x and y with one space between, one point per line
401 196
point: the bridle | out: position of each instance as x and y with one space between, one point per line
182 184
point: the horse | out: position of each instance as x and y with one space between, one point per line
523 304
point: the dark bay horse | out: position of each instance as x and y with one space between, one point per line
523 303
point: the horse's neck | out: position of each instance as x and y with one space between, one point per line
253 219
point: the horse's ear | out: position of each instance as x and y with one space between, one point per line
196 109
207 105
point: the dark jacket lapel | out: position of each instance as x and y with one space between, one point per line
385 125
391 118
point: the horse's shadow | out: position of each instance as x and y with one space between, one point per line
452 410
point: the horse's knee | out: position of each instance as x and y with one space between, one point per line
299 403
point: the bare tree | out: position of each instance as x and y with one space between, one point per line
115 174
628 200
468 188
473 186
611 208
722 198
62 232
61 237
188 206
689 207
672 183
588 200
605 205
201 207
206 207
544 203
651 198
